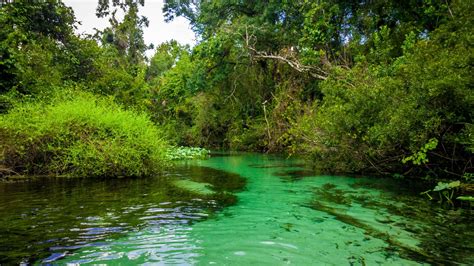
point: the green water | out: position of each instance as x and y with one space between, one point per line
230 210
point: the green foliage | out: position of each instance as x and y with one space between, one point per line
416 107
81 136
420 157
466 198
179 82
114 78
250 135
446 186
447 191
166 56
32 38
126 36
355 85
180 153
468 176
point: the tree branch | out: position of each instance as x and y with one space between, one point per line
315 72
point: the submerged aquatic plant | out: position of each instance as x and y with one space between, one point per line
406 227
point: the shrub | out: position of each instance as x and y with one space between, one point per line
82 136
412 116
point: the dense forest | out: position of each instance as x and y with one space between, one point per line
379 87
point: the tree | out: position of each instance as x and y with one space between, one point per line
33 38
127 35
166 56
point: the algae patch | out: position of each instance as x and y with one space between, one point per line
195 187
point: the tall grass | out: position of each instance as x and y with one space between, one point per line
81 136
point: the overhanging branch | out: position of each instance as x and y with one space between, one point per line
287 58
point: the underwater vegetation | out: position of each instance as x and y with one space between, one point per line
440 238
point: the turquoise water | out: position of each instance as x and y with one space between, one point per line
265 210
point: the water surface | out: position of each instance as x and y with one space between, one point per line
231 210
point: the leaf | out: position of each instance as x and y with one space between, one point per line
443 186
466 198
454 184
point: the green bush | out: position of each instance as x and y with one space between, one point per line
411 116
83 136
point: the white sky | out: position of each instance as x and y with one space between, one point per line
157 32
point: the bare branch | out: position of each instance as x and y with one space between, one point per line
293 63
289 59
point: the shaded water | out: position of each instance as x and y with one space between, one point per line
284 215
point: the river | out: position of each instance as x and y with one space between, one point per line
240 209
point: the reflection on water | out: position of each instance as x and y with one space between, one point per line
284 215
47 218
